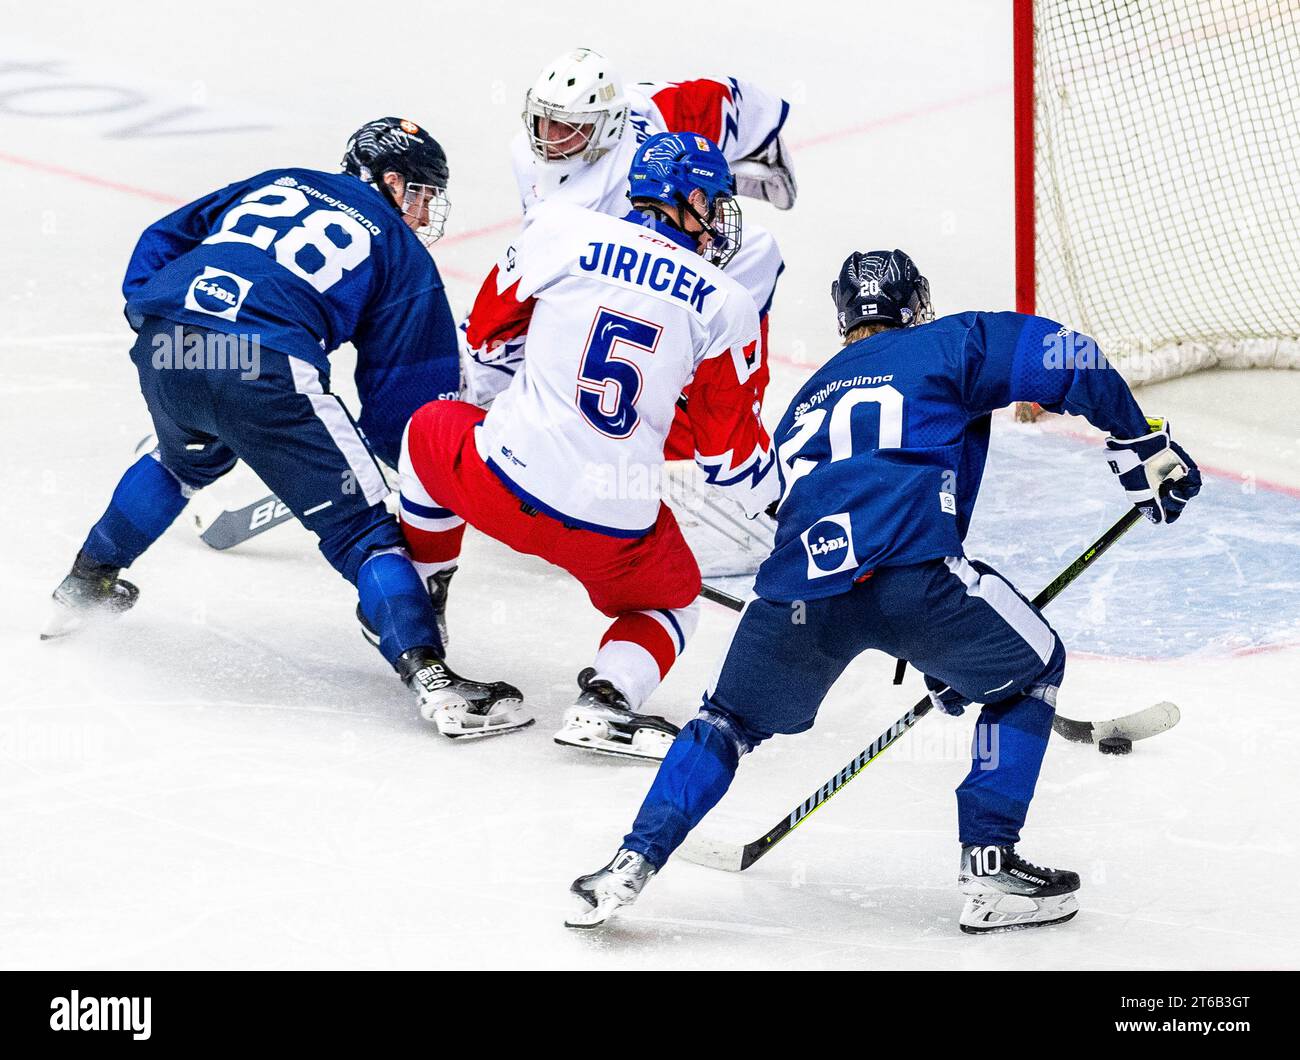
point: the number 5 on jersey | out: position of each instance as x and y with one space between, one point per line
609 385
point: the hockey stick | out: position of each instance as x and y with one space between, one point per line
734 857
235 526
1140 725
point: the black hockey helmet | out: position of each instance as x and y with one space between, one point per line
398 145
883 286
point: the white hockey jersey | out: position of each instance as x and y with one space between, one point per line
617 320
740 117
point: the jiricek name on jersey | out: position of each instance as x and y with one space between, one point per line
646 269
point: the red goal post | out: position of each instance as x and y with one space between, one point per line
1157 178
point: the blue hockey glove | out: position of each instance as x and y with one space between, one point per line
948 700
1155 471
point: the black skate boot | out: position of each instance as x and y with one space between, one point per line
438 585
459 707
1005 892
604 892
90 591
602 720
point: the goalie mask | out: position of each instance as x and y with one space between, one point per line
576 108
396 145
880 286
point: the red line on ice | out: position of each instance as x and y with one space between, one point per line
90 178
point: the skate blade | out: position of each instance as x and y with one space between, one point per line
645 745
593 916
62 621
1017 927
985 914
485 731
612 748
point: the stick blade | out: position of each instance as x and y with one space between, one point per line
1152 721
713 853
1140 725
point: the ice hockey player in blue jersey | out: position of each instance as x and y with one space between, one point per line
237 301
881 455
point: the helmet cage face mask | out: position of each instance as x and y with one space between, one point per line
425 208
724 228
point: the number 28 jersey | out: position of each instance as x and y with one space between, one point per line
615 319
305 259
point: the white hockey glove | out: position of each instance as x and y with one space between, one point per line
767 175
1155 471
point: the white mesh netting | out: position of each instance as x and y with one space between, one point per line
1167 179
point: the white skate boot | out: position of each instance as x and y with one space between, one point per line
602 720
1005 892
606 891
459 707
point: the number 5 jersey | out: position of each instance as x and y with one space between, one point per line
616 319
306 261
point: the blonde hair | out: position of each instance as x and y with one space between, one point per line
866 330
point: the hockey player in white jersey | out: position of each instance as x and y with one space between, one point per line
617 317
582 130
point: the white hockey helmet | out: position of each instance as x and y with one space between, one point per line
575 107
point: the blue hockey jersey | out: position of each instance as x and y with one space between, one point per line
306 261
882 451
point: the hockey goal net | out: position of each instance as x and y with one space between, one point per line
1158 178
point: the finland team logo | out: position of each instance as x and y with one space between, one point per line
829 543
217 293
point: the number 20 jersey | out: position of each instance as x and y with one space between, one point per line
616 319
882 451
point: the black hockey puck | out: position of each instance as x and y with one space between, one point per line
1114 745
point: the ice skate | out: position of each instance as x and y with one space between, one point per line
1005 892
90 591
459 707
602 720
604 892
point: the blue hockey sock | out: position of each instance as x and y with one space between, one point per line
396 604
693 776
1010 740
145 503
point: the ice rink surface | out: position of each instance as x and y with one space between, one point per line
228 777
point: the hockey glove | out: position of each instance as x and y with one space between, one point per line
948 700
1155 471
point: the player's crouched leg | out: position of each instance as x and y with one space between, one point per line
395 604
650 586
